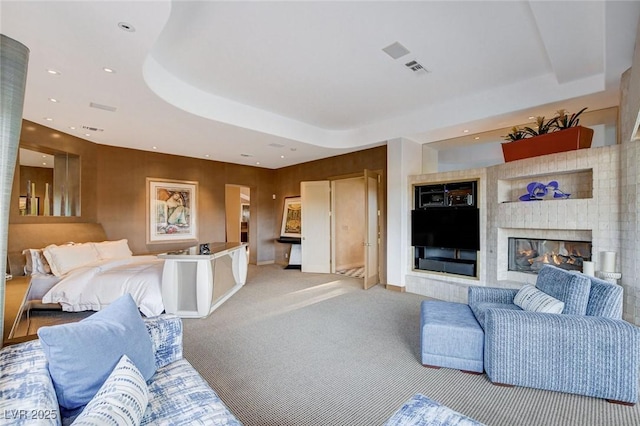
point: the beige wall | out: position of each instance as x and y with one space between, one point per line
349 217
113 190
121 195
288 185
41 138
232 208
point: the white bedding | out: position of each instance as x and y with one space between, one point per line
95 286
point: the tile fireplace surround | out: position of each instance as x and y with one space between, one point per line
604 184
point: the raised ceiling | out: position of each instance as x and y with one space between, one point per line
280 83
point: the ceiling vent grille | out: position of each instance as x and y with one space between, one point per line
395 50
93 129
103 107
276 145
415 66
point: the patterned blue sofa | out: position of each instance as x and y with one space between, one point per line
587 350
177 393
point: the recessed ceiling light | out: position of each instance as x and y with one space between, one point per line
44 163
154 147
282 156
477 137
54 72
206 155
109 70
531 117
465 131
53 100
127 27
44 156
87 134
72 127
48 118
258 163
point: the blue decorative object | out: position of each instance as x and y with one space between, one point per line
538 191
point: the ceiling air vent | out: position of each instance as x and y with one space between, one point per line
104 107
93 129
395 50
415 66
276 145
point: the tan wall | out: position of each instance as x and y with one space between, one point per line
38 175
113 190
348 214
122 196
288 185
232 208
40 138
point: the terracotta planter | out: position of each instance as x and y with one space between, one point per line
550 143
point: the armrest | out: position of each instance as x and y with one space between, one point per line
479 294
166 338
593 356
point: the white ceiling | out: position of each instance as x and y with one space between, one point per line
288 82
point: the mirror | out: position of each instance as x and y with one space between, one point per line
49 183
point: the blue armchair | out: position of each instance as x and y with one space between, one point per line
587 350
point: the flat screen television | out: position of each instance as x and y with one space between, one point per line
456 228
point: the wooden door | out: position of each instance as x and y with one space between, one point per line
372 230
316 226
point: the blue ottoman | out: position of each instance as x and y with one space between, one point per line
450 336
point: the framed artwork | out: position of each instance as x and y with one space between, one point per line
292 218
171 210
244 213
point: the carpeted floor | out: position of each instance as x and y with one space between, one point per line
313 349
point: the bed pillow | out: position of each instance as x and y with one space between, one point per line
121 400
35 263
530 298
81 355
63 259
113 249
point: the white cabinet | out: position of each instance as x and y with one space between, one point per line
195 284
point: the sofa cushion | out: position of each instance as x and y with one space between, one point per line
568 287
81 355
530 298
605 299
121 400
480 309
178 395
25 384
420 411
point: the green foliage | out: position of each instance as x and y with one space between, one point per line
561 121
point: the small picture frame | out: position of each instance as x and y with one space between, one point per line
292 218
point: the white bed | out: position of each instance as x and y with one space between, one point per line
88 274
93 287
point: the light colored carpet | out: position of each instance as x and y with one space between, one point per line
313 349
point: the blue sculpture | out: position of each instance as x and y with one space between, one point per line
538 191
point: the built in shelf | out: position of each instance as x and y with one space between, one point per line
578 183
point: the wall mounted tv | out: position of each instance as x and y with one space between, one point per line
446 228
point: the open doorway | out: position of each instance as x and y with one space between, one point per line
348 212
237 213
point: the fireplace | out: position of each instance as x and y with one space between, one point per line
530 255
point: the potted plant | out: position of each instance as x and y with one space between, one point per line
559 134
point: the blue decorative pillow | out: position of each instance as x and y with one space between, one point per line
81 355
122 399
